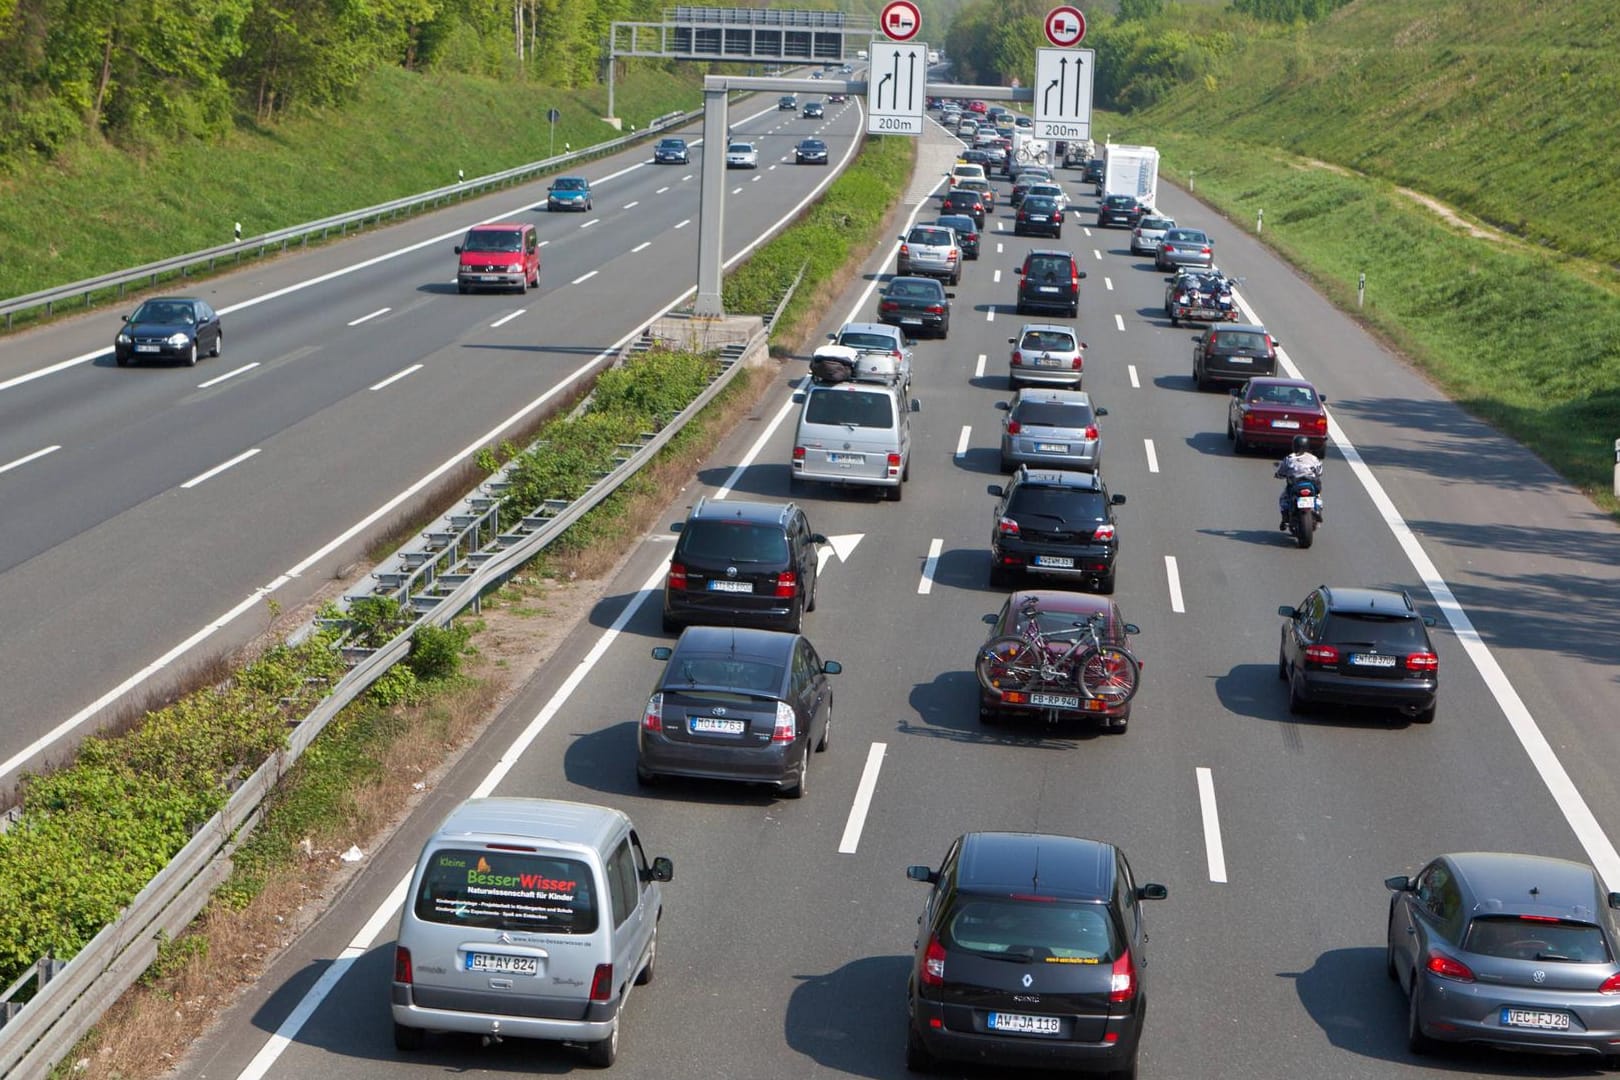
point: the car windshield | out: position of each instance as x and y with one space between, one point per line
853 408
1020 930
1051 269
570 183
812 144
1064 414
734 541
1059 504
494 240
739 673
1047 341
163 311
867 341
1540 939
929 237
1242 341
507 890
672 144
1393 633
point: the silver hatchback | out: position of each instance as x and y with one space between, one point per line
1046 353
931 250
1055 429
1148 232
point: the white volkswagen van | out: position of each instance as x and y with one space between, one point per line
856 433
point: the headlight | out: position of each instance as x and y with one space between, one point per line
515 268
123 338
178 339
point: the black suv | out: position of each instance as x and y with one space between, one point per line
787 103
1359 647
1049 280
1093 172
1031 951
1057 524
1119 209
742 563
967 233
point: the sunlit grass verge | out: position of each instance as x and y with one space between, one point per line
1511 335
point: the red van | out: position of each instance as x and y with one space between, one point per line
504 256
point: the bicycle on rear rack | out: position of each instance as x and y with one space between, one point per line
1032 661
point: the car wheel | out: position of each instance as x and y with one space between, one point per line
191 357
602 1055
219 344
1198 378
671 625
999 577
1058 235
645 777
896 493
989 715
408 1038
810 600
918 1059
1282 666
1018 230
1174 321
797 790
944 329
1389 960
1018 309
462 289
1427 715
1231 432
1074 310
826 732
1297 702
1105 584
1239 444
1416 1041
123 361
1127 1073
1117 726
648 971
795 619
1007 465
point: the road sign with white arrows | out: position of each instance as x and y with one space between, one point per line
1063 93
896 88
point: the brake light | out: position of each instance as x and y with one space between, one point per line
1057 218
653 718
905 251
787 727
933 966
1206 251
1091 431
677 575
787 583
1078 363
1122 982
1138 232
1448 968
1007 527
1611 985
894 466
888 305
1321 654
1319 424
798 453
1104 532
934 309
1074 275
602 983
952 256
1424 661
1017 358
403 973
1014 427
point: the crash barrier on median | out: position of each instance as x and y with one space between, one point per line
445 570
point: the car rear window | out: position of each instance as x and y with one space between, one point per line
1047 340
1047 932
1062 624
1050 268
1042 203
1514 937
739 148
931 237
1185 236
1053 413
1240 341
859 339
734 541
1387 631
1156 223
507 890
1063 505
963 225
1120 200
851 407
735 672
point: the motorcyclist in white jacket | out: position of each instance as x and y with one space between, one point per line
1296 466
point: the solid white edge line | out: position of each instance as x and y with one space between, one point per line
1173 576
395 377
1152 456
217 379
373 315
863 799
1130 369
217 469
504 319
26 458
962 443
1215 850
926 584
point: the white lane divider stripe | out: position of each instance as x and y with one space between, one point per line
660 191
394 378
504 319
631 205
1212 826
1000 248
217 469
978 369
1174 577
1108 283
373 315
1119 321
26 458
926 585
990 316
996 277
585 277
1095 254
863 800
683 224
1152 456
1130 369
643 246
217 379
962 443
737 190
543 243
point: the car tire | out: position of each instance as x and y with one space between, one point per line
1118 726
944 329
671 625
797 790
408 1039
896 493
1105 584
1298 704
810 598
1018 230
795 619
645 777
1007 465
602 1055
1018 309
1426 716
918 1059
649 971
999 577
1282 666
1416 1041
1389 960
462 289
122 361
1174 321
1074 310
1058 235
1231 432
1127 1073
989 715
219 344
1198 378
191 357
826 732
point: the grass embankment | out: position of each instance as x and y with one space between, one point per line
99 209
363 770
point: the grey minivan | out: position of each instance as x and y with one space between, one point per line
857 434
529 918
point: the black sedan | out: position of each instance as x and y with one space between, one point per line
672 151
735 703
814 110
1356 646
810 152
169 328
917 304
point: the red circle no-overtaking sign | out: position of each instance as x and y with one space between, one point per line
1065 26
900 20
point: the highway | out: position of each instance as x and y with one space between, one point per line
156 513
789 925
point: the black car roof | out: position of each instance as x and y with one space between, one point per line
1238 327
1080 481
950 221
1495 882
1036 864
1386 602
741 510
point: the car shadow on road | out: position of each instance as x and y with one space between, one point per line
965 568
761 478
1349 996
1525 611
604 759
947 708
991 382
852 1020
1261 537
1184 383
1210 442
985 460
1254 690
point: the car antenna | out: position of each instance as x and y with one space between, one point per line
1035 878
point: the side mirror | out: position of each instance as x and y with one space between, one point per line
1019 270
1288 611
1322 398
950 296
1012 341
833 336
1132 628
990 620
798 398
458 249
1237 391
1152 892
1082 273
1402 883
1171 280
922 873
1614 900
1101 410
660 870
1428 620
817 538
1117 499
552 188
994 489
908 342
832 667
662 652
916 406
1275 343
676 526
1003 406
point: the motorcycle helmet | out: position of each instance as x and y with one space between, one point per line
1302 445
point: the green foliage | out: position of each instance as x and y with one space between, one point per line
396 686
376 620
436 651
1288 11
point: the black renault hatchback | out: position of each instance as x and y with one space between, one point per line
1031 953
742 563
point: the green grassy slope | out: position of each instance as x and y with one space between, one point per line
99 209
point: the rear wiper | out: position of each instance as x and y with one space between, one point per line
1552 956
1014 954
1050 517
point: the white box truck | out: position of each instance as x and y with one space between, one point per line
1131 170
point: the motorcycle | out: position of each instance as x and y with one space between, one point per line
1303 500
1202 298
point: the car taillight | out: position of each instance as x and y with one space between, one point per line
1611 985
1319 424
1422 661
602 983
1091 431
798 453
1074 277
1104 532
1014 427
933 966
787 583
953 256
786 724
653 718
1017 358
1022 213
905 251
403 974
1007 527
1448 968
1078 363
934 309
1206 251
894 465
1057 218
677 576
888 305
1321 654
896 354
1122 981
1251 420
1138 232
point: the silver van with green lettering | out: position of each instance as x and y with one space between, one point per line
527 918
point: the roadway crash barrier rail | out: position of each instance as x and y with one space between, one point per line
456 560
150 274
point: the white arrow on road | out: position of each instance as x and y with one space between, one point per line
842 546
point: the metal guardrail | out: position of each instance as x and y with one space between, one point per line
151 273
38 1034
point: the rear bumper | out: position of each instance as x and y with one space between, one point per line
1023 1051
778 764
828 475
1408 695
468 279
1471 1013
725 609
1090 565
408 1014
